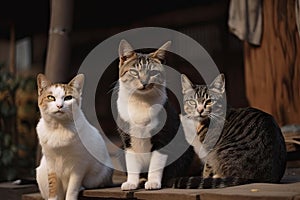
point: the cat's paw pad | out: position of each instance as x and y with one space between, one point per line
128 186
152 185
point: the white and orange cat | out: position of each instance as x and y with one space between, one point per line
67 165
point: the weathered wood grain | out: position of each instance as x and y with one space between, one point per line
272 70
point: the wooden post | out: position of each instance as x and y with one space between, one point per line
58 53
12 50
272 70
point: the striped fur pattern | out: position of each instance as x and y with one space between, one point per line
250 148
206 183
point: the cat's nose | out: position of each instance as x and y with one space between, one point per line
200 108
59 106
144 84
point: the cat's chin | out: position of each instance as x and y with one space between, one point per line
58 114
200 118
144 90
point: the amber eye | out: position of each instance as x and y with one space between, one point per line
67 98
133 72
51 98
192 102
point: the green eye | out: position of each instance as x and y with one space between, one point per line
51 98
208 102
192 102
67 98
154 72
133 72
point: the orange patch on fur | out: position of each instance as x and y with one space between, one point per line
52 180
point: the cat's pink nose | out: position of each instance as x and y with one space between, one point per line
200 108
59 106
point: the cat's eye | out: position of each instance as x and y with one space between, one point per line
208 102
67 98
154 72
51 98
192 102
133 72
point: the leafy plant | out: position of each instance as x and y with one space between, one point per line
12 165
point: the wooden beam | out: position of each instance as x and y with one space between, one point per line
58 53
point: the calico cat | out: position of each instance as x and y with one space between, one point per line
249 148
66 165
147 121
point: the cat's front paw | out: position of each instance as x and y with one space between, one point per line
53 198
128 186
152 185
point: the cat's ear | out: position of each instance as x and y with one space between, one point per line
218 85
42 83
186 84
125 51
77 82
161 52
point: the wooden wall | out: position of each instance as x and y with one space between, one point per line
272 70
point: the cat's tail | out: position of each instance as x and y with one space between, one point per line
198 182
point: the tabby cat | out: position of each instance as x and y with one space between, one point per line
66 165
147 122
249 148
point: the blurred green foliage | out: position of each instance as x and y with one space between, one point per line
12 165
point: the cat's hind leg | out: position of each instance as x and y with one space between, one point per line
42 178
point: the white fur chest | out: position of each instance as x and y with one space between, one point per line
134 110
141 114
55 138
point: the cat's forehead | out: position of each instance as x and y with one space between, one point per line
59 90
198 92
141 61
144 61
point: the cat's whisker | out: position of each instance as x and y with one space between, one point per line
114 87
114 83
216 118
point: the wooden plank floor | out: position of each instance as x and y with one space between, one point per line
289 189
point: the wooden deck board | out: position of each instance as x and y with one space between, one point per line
168 194
33 196
255 191
296 197
10 191
115 193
